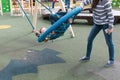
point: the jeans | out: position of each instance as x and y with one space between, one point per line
67 3
53 4
108 37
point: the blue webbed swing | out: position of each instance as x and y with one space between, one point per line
59 25
58 31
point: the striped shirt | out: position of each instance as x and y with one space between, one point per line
102 14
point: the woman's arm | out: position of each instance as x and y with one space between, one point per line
85 2
109 12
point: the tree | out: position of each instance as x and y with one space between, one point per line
116 3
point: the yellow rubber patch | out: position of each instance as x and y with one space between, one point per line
4 26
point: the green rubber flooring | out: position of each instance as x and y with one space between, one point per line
23 58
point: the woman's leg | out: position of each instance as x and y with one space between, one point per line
94 31
109 42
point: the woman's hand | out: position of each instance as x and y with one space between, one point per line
108 31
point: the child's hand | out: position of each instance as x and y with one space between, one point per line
46 40
35 31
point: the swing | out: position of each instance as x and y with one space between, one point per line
58 31
62 21
59 24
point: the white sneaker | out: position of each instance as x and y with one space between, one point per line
109 64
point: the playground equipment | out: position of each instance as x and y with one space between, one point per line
1 13
61 3
63 9
16 10
59 22
89 16
4 6
45 13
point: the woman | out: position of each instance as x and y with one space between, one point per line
103 20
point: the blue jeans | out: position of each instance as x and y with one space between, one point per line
67 3
108 37
53 4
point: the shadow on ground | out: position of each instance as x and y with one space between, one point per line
29 64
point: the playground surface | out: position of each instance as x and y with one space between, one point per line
23 58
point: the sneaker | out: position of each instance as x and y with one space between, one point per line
84 59
109 64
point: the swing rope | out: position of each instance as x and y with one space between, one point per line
48 3
44 6
26 15
33 27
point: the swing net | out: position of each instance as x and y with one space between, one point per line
58 20
60 30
